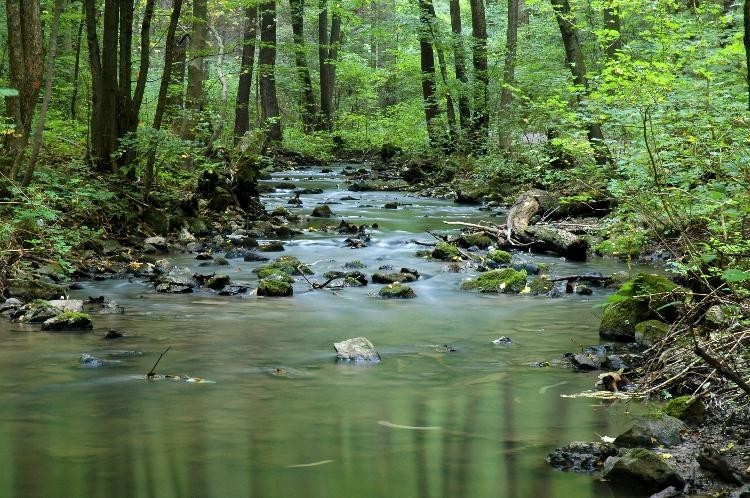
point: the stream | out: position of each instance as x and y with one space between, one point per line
424 422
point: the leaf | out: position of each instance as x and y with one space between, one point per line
734 275
8 92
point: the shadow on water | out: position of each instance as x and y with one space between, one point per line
424 422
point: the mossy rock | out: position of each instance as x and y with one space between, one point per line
644 297
500 257
650 331
323 211
397 291
445 252
68 320
687 409
218 282
506 280
29 289
477 239
641 469
540 286
275 286
284 264
393 278
423 253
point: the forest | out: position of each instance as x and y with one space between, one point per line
569 178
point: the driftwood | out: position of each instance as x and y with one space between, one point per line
528 205
550 238
589 277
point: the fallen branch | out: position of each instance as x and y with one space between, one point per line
723 370
151 373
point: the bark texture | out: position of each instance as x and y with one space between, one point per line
267 69
242 107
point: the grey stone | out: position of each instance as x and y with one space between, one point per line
652 430
581 456
358 349
640 468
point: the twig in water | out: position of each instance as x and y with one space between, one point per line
151 373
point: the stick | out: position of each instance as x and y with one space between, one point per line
725 371
151 373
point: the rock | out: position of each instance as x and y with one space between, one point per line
506 280
476 240
650 332
309 191
541 286
586 361
234 289
286 186
111 308
285 264
711 459
397 291
275 286
69 320
641 468
583 290
218 282
615 362
185 236
155 244
221 262
644 297
500 257
88 361
254 256
390 205
29 289
323 211
687 409
358 349
204 256
502 341
652 430
392 278
445 348
113 334
411 271
669 492
236 253
274 246
194 247
76 286
177 281
581 456
445 252
530 267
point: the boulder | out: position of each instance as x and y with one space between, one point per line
69 320
476 240
644 297
358 349
445 252
392 278
642 469
649 332
500 257
506 280
273 246
652 430
586 361
285 264
323 211
581 456
275 286
156 244
397 291
218 282
687 409
541 286
30 289
711 459
177 281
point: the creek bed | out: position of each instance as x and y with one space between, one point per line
424 422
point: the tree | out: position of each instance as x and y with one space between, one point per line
328 49
577 64
746 42
612 23
431 20
26 67
481 118
427 65
242 106
309 106
459 58
195 72
509 71
267 69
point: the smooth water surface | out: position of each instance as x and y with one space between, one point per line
423 423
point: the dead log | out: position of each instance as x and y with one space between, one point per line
527 205
549 238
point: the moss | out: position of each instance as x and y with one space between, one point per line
477 239
619 320
218 282
650 331
275 272
353 282
275 286
506 280
423 253
541 286
397 291
391 278
685 408
284 264
69 320
646 456
500 257
356 264
445 251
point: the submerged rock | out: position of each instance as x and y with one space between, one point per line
502 341
641 468
392 278
581 456
69 320
358 349
652 430
88 361
397 291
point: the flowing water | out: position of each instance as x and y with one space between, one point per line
476 422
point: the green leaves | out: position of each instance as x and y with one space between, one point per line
8 92
735 275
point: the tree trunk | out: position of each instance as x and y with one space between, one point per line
459 57
267 70
451 111
176 92
509 72
481 74
746 40
219 126
106 133
328 47
577 64
427 65
161 101
140 86
26 64
77 67
49 73
309 107
612 23
242 109
194 94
